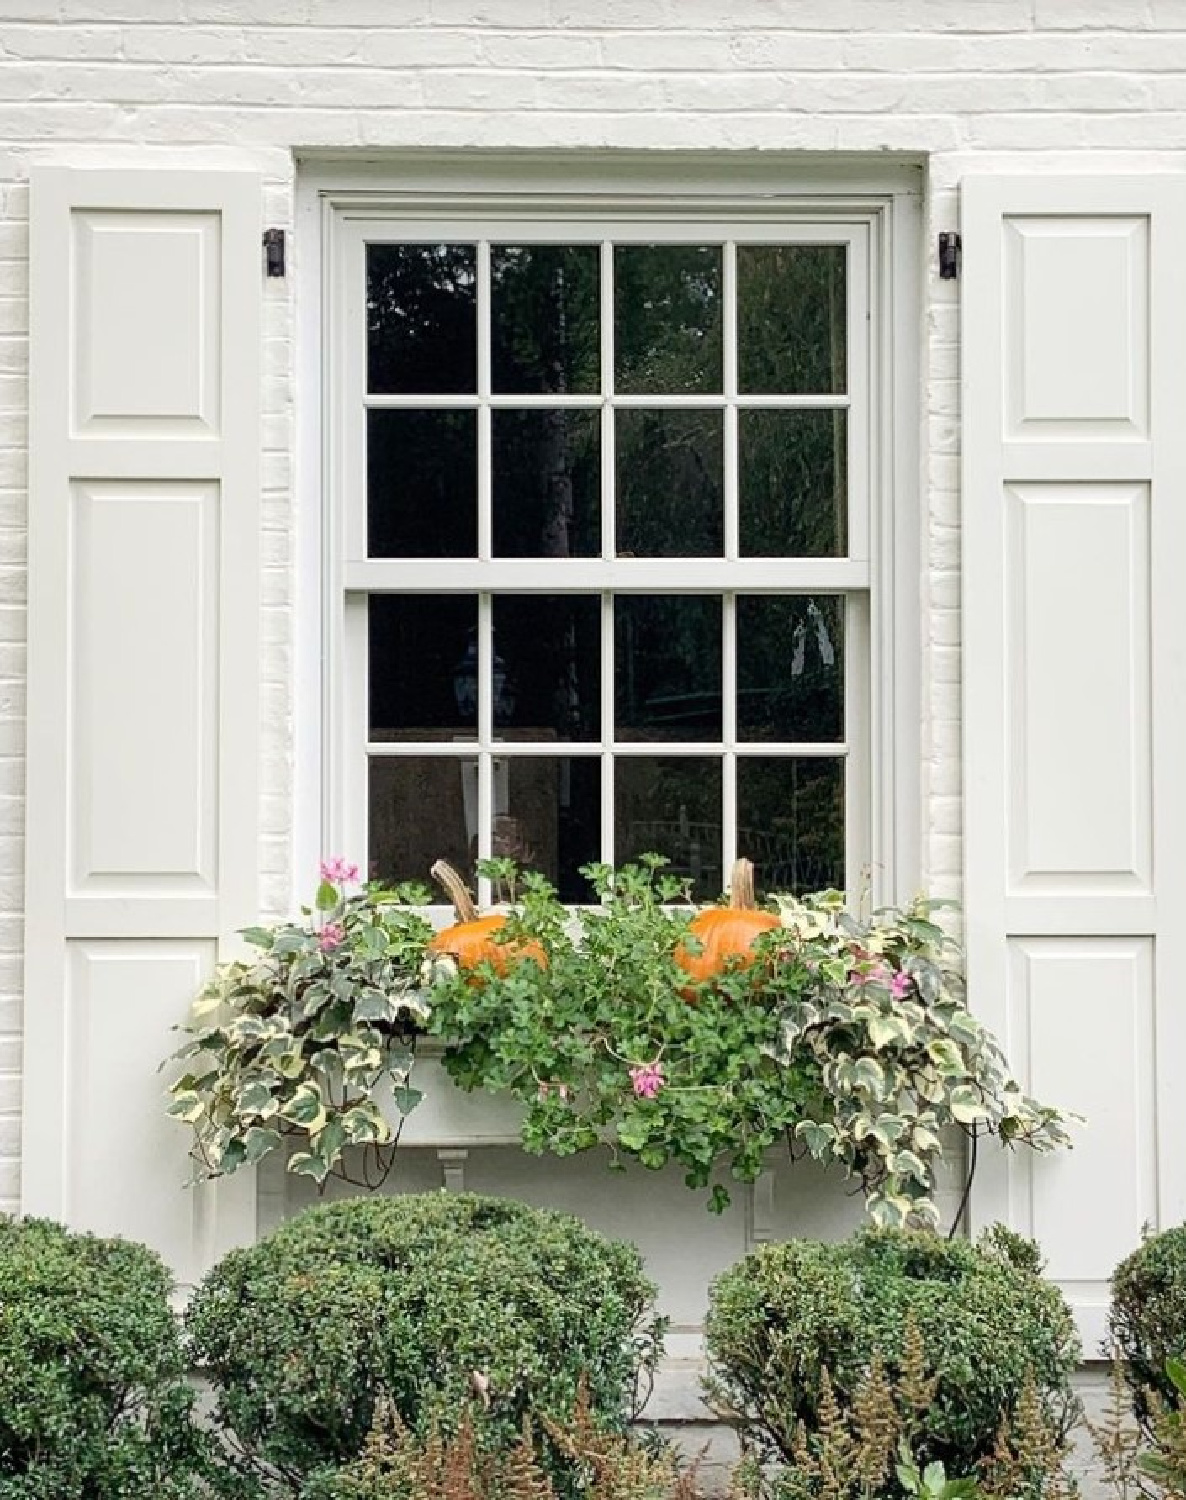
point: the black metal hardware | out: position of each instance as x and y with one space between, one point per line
274 252
949 256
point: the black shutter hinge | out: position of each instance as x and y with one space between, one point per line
274 252
949 255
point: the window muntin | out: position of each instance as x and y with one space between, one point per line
619 524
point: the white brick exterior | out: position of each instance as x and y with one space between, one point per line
961 84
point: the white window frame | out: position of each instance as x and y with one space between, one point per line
540 198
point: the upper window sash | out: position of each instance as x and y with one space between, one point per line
350 400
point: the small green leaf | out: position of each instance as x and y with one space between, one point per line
327 896
257 1143
258 937
406 1098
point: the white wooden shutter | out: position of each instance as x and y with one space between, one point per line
1074 614
143 661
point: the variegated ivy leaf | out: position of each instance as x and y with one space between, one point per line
966 1105
406 1098
890 1211
886 1029
306 1164
946 1056
288 1062
257 1142
907 1164
819 1138
373 1005
364 1123
306 1108
924 1139
207 1001
868 1073
256 1098
187 1106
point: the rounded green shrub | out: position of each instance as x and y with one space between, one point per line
1147 1323
443 1302
93 1400
985 1317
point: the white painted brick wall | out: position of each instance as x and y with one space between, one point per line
971 84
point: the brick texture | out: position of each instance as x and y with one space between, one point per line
969 84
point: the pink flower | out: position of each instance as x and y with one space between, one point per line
901 985
647 1079
331 936
338 872
867 972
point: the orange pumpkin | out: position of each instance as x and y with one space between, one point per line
726 933
472 940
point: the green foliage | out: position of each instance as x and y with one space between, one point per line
1165 1463
789 1311
929 1482
1147 1323
850 1039
873 1011
445 1303
93 1401
312 1040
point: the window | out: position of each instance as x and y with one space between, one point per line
601 541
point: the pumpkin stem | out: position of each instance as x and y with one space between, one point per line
463 902
741 886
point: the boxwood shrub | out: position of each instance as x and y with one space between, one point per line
444 1302
93 1400
1147 1324
985 1315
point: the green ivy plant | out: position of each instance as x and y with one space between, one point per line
312 1039
895 1056
849 1040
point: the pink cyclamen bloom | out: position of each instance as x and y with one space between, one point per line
338 872
647 1079
331 936
869 973
901 985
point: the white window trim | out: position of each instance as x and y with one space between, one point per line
885 201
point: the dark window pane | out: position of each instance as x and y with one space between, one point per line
423 664
420 809
667 650
791 319
790 816
549 653
545 317
421 320
671 806
669 483
794 485
547 483
667 318
547 817
422 483
790 667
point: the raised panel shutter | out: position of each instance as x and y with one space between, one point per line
1074 616
143 677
